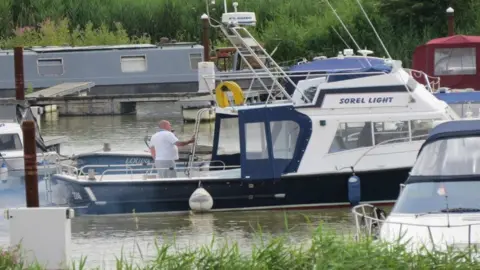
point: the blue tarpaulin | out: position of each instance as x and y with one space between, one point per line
334 65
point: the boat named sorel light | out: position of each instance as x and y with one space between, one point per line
293 151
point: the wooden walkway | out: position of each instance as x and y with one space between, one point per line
61 90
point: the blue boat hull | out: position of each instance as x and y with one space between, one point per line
309 191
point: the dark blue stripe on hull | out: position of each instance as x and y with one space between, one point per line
145 196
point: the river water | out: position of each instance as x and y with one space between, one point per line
101 238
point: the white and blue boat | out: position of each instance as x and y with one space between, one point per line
337 140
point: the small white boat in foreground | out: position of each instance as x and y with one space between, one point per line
439 204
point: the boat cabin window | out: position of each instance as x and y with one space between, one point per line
421 128
133 63
195 58
50 66
449 157
455 61
10 142
256 141
356 135
351 136
229 137
284 138
391 132
422 197
462 109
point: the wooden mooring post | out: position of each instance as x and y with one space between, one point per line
19 73
30 159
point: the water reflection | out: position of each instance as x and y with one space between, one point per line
108 235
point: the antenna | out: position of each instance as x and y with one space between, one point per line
443 192
375 31
344 42
344 27
348 32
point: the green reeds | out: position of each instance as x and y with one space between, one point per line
325 250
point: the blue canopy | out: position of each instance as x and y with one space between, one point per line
336 65
453 129
459 97
373 69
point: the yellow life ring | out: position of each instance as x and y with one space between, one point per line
222 97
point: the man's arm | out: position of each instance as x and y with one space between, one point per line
183 143
152 147
152 151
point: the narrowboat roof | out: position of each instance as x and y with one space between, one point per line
55 49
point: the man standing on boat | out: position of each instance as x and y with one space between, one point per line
164 148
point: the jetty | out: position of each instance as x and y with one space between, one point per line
106 104
63 89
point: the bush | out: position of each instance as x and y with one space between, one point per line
300 28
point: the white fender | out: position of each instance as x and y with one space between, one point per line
200 200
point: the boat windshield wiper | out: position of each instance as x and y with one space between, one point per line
451 210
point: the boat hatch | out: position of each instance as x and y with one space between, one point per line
271 141
10 142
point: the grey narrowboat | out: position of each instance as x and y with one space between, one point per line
121 69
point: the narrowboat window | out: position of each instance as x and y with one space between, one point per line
449 157
455 61
133 63
256 141
284 138
420 129
50 66
391 132
351 136
10 142
195 58
229 138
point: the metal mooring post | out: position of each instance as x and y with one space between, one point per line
19 73
30 157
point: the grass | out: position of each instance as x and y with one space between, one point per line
301 28
325 250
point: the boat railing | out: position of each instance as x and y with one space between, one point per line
370 219
130 168
154 173
432 83
251 77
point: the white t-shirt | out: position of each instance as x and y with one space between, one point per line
164 143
